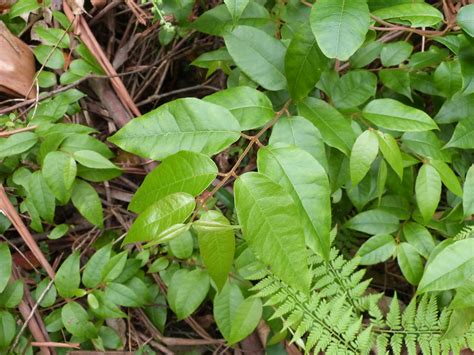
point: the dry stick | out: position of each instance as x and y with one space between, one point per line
9 133
9 211
53 344
392 27
232 172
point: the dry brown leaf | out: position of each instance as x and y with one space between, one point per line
17 65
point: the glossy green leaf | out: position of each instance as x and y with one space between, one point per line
374 222
419 237
49 56
410 263
250 107
300 132
49 297
307 183
395 53
76 321
377 249
59 231
114 267
448 177
7 329
463 136
235 316
448 78
335 129
450 268
87 201
175 231
457 108
182 245
183 124
68 277
260 56
392 114
92 274
465 19
464 296
391 152
187 290
41 196
122 295
304 63
397 80
59 171
17 143
340 26
217 247
93 160
75 142
182 172
5 265
269 219
417 14
426 144
236 8
12 295
354 88
363 154
366 54
161 215
427 191
468 194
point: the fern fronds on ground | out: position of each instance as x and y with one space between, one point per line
338 318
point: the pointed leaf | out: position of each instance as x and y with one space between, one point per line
410 263
87 201
76 321
68 277
374 222
428 191
463 136
419 237
448 177
17 143
468 194
391 152
377 249
59 171
363 154
5 265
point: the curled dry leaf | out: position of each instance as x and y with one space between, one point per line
17 65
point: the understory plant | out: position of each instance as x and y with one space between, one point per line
327 193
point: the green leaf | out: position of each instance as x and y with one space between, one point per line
87 201
464 297
235 316
52 36
335 129
448 177
12 294
363 154
218 20
5 265
187 290
260 56
397 80
236 8
250 107
22 7
448 78
419 237
416 14
395 53
457 108
41 196
465 19
49 56
17 143
217 247
391 152
468 194
427 191
270 224
392 114
59 231
68 277
366 54
76 321
123 295
410 263
426 144
300 132
340 26
92 274
114 267
182 172
93 160
46 79
308 184
49 298
161 215
182 245
74 142
183 124
374 222
450 268
466 53
59 171
377 249
7 329
304 63
173 232
354 88
463 136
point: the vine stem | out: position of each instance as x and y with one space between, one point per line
232 172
